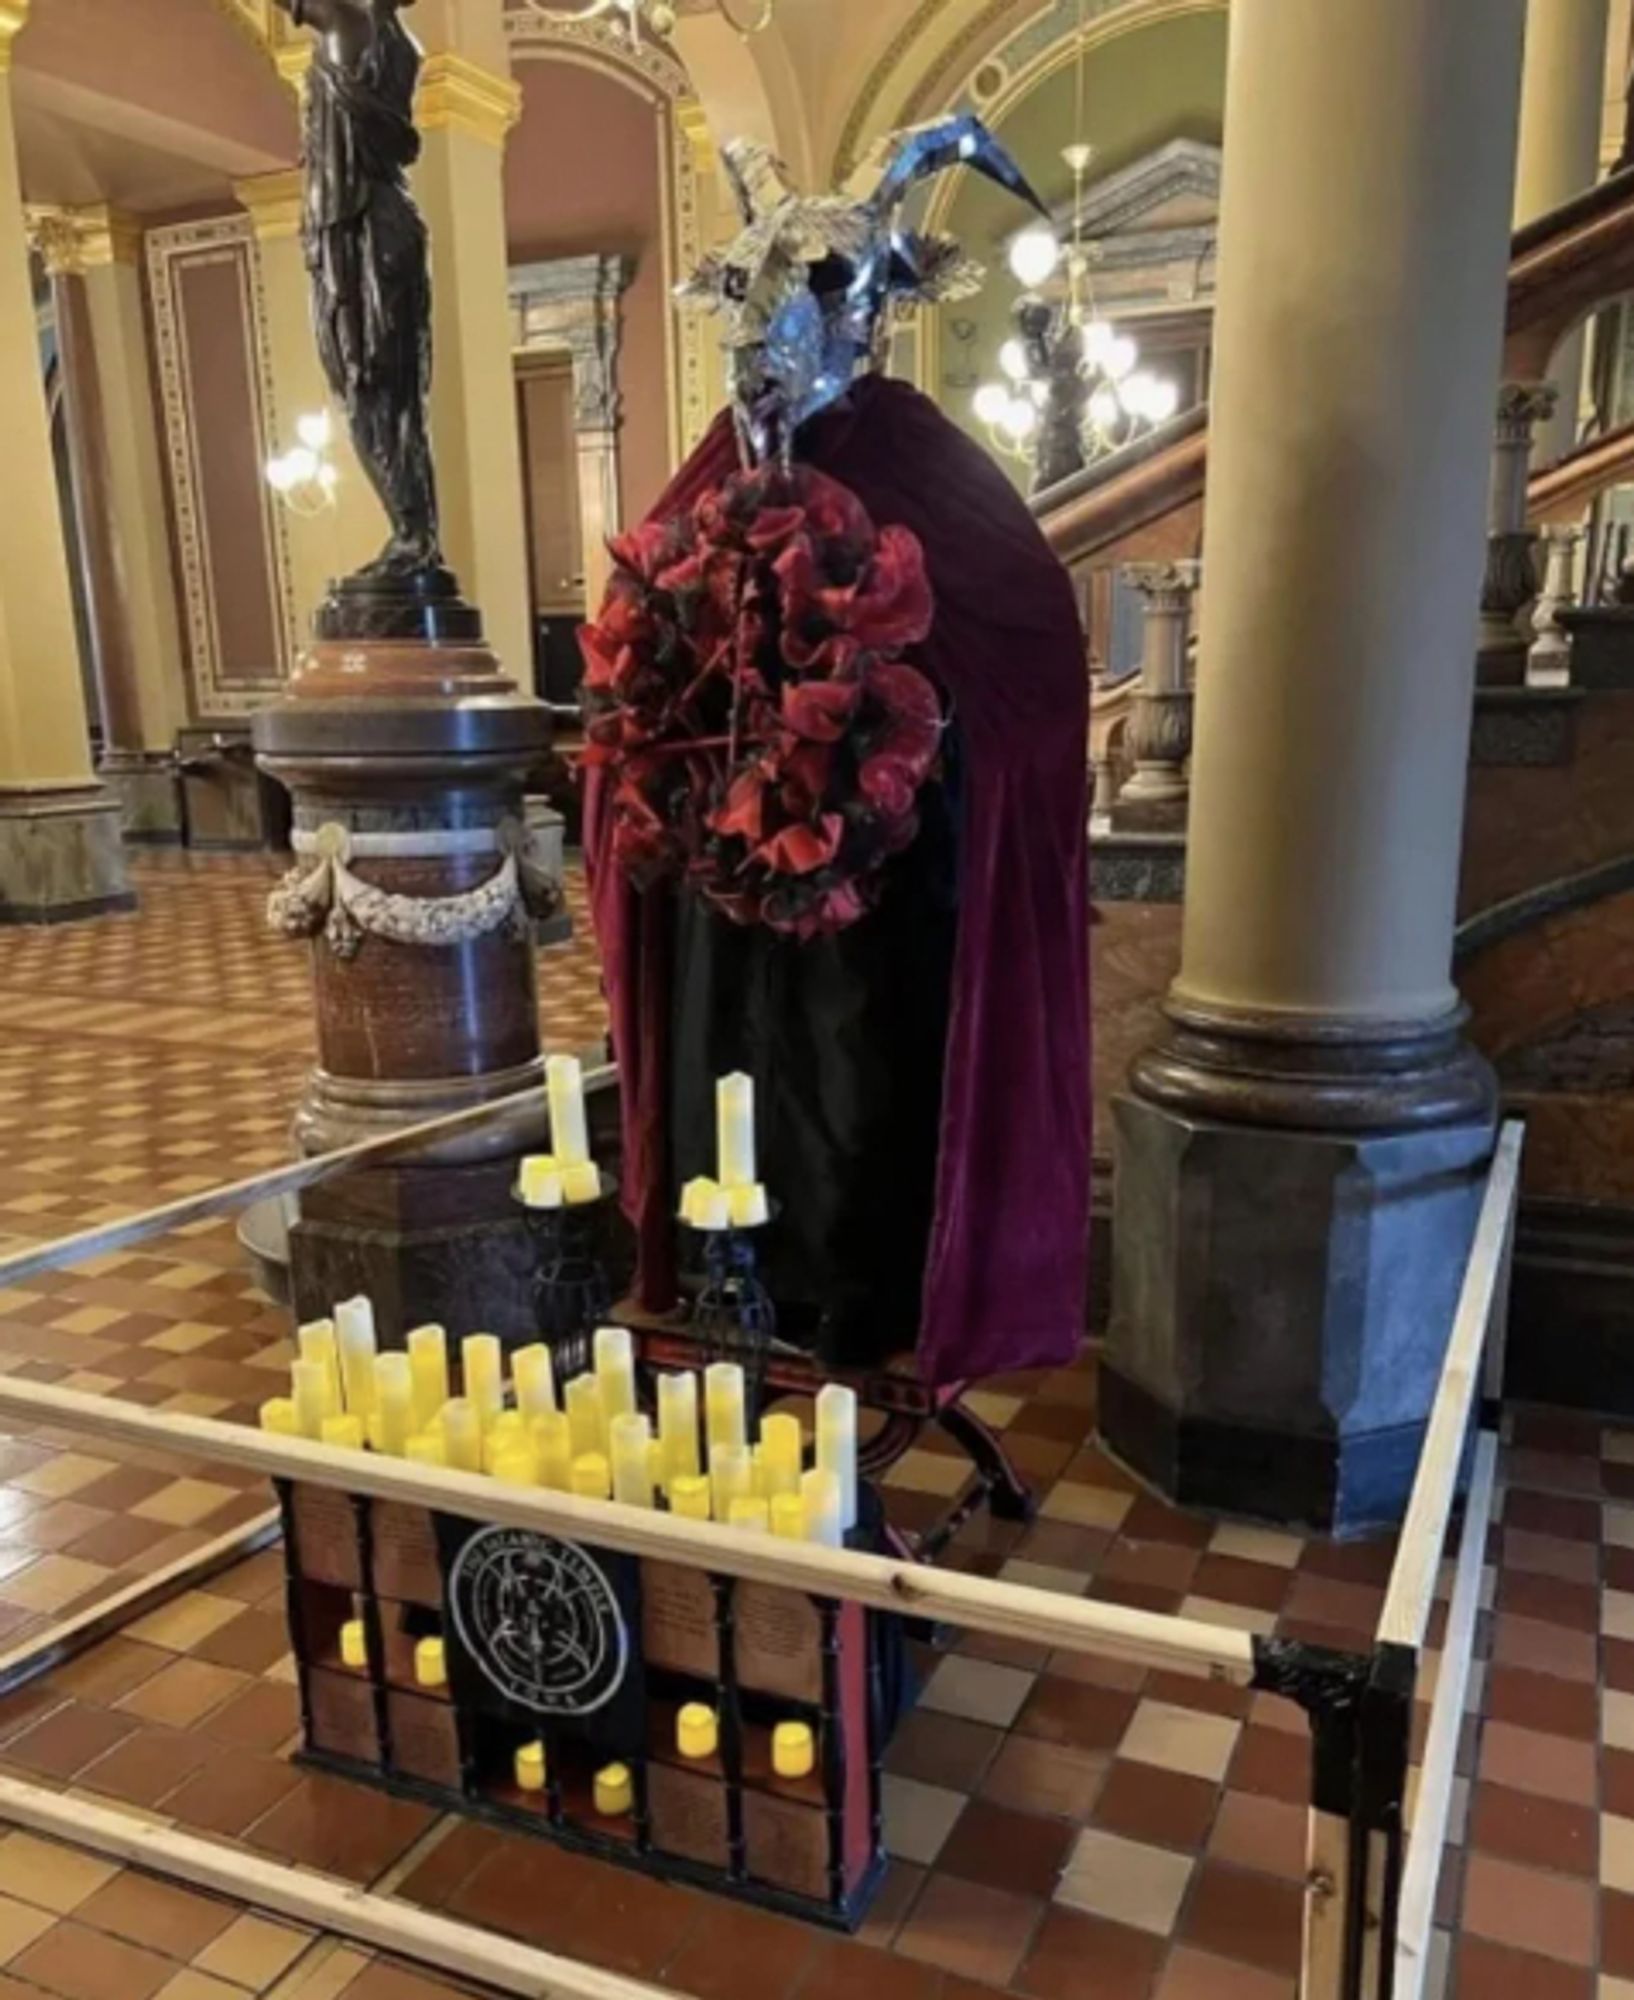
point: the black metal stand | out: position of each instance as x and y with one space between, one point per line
572 1295
735 1318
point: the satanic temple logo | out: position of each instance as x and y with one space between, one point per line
541 1621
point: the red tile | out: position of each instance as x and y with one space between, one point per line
1021 1852
841 1968
1540 1648
1553 1766
1544 1833
1494 1972
1041 1777
1571 1606
1076 1956
741 1954
1162 1808
1236 1914
1263 1586
1088 1718
1552 1916
970 1929
1257 1832
1274 1762
1550 1514
1196 1975
943 1750
1616 1934
1549 1702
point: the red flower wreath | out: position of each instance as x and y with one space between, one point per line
744 685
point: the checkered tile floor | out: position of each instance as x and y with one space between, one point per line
1059 1826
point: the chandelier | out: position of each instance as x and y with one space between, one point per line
658 17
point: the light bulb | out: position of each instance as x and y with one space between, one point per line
279 476
1034 255
1013 360
1040 392
991 401
1105 409
1136 391
1020 420
1121 356
1098 337
315 430
1165 400
328 477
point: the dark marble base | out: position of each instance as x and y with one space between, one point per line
1602 637
415 604
1345 1487
473 1279
1281 1304
1137 867
1571 1318
1501 663
61 856
1526 728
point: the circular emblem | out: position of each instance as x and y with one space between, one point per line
541 1621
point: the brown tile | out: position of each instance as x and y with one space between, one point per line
1617 1934
1547 1702
840 1967
1237 1914
1571 1607
263 1716
1258 1832
1197 1691
183 1693
1088 1718
251 1643
1166 1565
1539 1648
943 1750
229 1795
147 1766
1546 1833
1493 1972
896 1896
1617 1782
340 1829
628 1924
970 1929
81 1964
1274 1762
64 1742
1165 1808
1549 1514
1575 1562
108 1671
177 1922
1153 1520
1263 1586
1125 1961
1046 1778
1553 1766
1198 1975
1529 1910
1021 1852
741 1954
525 1889
452 1862
387 1980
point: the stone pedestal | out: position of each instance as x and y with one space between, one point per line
61 857
1511 580
406 748
1602 643
1156 798
1281 1307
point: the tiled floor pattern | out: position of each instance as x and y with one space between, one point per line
1059 1826
142 1059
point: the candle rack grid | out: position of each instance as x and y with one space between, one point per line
593 1654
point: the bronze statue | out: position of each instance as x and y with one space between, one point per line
366 250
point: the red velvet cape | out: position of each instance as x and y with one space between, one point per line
1006 1270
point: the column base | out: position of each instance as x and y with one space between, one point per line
1293 1211
61 856
1602 637
148 787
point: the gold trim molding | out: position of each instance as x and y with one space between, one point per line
456 95
13 20
273 203
72 241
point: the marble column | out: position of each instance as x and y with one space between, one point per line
93 255
1562 112
1299 1158
1510 581
1160 730
468 103
60 851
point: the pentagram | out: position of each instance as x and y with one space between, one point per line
541 1621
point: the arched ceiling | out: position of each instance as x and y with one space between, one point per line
147 104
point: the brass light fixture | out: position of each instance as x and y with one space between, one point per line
658 17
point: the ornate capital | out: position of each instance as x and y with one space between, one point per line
294 61
74 240
274 204
1520 406
1166 586
459 96
13 19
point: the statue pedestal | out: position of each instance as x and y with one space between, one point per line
405 749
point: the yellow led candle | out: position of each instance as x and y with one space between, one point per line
735 1128
697 1731
794 1750
354 1335
540 1181
748 1206
278 1417
462 1436
529 1767
515 1466
820 1495
788 1512
316 1342
592 1477
750 1513
483 1363
552 1451
782 1454
394 1402
429 1448
428 1363
430 1664
309 1382
731 1476
581 1184
569 1134
534 1374
615 1791
723 1407
837 1446
615 1370
689 1497
507 1433
586 1415
354 1644
344 1433
630 1441
706 1205
678 1427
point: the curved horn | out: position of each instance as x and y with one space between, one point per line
758 178
922 150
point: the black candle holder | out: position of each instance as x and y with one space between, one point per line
572 1293
734 1317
